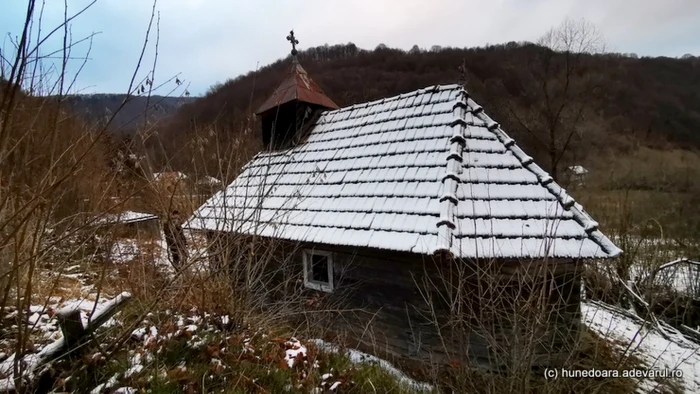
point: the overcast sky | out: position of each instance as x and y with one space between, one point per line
210 41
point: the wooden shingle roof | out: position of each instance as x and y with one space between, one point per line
421 172
297 86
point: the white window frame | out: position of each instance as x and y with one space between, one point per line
312 284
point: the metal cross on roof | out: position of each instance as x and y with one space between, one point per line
294 42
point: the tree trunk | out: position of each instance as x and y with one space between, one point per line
553 162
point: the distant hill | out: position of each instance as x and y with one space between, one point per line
645 96
100 107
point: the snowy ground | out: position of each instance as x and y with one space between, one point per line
47 337
659 348
155 251
76 289
358 357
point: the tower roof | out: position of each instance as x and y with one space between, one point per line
297 86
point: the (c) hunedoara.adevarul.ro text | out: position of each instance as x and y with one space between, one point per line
555 373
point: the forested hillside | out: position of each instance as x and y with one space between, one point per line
659 96
101 107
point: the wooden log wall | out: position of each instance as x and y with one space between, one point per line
493 314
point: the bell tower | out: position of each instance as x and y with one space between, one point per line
292 106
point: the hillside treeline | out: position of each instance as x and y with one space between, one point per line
650 95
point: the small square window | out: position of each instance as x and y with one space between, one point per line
318 270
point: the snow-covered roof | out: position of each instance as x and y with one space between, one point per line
578 170
125 217
420 172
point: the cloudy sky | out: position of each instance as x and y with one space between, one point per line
210 41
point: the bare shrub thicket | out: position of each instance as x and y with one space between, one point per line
500 324
52 173
55 180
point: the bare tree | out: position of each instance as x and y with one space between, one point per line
558 89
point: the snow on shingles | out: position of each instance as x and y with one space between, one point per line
498 175
606 247
518 209
656 350
479 133
516 228
397 149
491 191
490 160
516 247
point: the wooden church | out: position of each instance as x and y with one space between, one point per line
418 214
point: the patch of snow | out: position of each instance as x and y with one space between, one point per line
195 319
334 386
86 306
124 251
135 359
113 381
295 350
138 333
151 337
196 342
681 275
357 356
217 365
209 180
36 317
36 309
173 175
134 370
73 276
578 170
